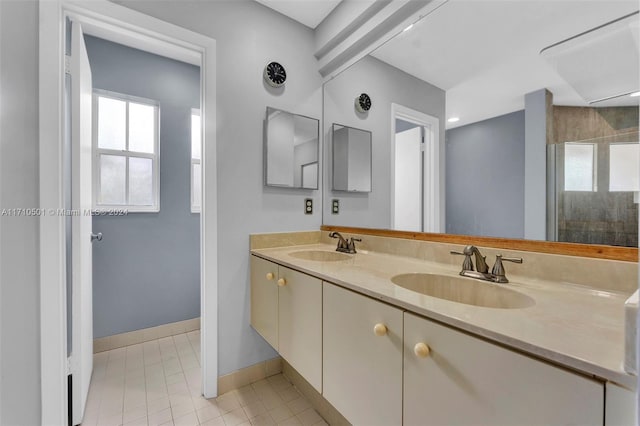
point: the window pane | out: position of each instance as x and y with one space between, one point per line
111 123
112 179
141 128
578 167
196 185
196 139
140 181
623 167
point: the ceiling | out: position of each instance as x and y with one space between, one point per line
307 12
486 53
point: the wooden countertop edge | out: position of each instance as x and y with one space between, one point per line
626 254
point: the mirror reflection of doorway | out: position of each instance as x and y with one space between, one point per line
409 171
415 195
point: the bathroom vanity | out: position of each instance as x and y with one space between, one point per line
533 350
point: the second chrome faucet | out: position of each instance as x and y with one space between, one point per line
497 273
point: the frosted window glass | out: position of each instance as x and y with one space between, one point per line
112 123
141 128
196 185
624 167
196 139
579 167
112 179
140 181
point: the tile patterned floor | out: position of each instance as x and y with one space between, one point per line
158 383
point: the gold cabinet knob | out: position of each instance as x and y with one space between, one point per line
282 282
270 276
380 329
421 350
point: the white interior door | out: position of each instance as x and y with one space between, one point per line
408 181
81 181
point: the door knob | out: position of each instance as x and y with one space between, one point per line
97 236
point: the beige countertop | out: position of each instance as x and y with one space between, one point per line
575 326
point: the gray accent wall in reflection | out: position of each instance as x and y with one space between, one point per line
146 270
485 177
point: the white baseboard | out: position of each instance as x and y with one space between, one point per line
144 335
248 375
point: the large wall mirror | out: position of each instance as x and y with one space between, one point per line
291 150
465 105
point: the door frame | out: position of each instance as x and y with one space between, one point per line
106 19
432 169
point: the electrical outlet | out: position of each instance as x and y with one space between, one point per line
335 206
308 206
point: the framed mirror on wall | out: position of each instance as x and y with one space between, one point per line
291 150
351 157
497 109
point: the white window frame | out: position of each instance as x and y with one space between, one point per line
194 161
594 167
155 157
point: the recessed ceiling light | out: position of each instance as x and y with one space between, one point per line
453 119
635 94
408 28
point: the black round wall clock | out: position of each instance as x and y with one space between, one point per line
275 74
363 103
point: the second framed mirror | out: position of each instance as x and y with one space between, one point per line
351 149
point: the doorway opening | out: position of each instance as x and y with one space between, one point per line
126 27
415 171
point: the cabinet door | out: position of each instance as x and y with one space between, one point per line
300 324
467 381
264 299
621 406
362 370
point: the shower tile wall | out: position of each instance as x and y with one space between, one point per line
600 217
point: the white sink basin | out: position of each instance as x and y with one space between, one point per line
464 290
320 255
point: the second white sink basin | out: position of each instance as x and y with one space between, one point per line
320 255
464 290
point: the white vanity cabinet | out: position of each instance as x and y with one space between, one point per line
362 357
286 309
463 380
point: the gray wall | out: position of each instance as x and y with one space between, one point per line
385 85
146 270
485 177
19 246
248 36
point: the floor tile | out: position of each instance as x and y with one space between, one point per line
189 419
280 413
160 417
309 417
159 383
207 413
235 417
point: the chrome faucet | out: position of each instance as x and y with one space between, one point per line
344 245
497 273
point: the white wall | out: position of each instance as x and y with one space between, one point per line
248 36
20 303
